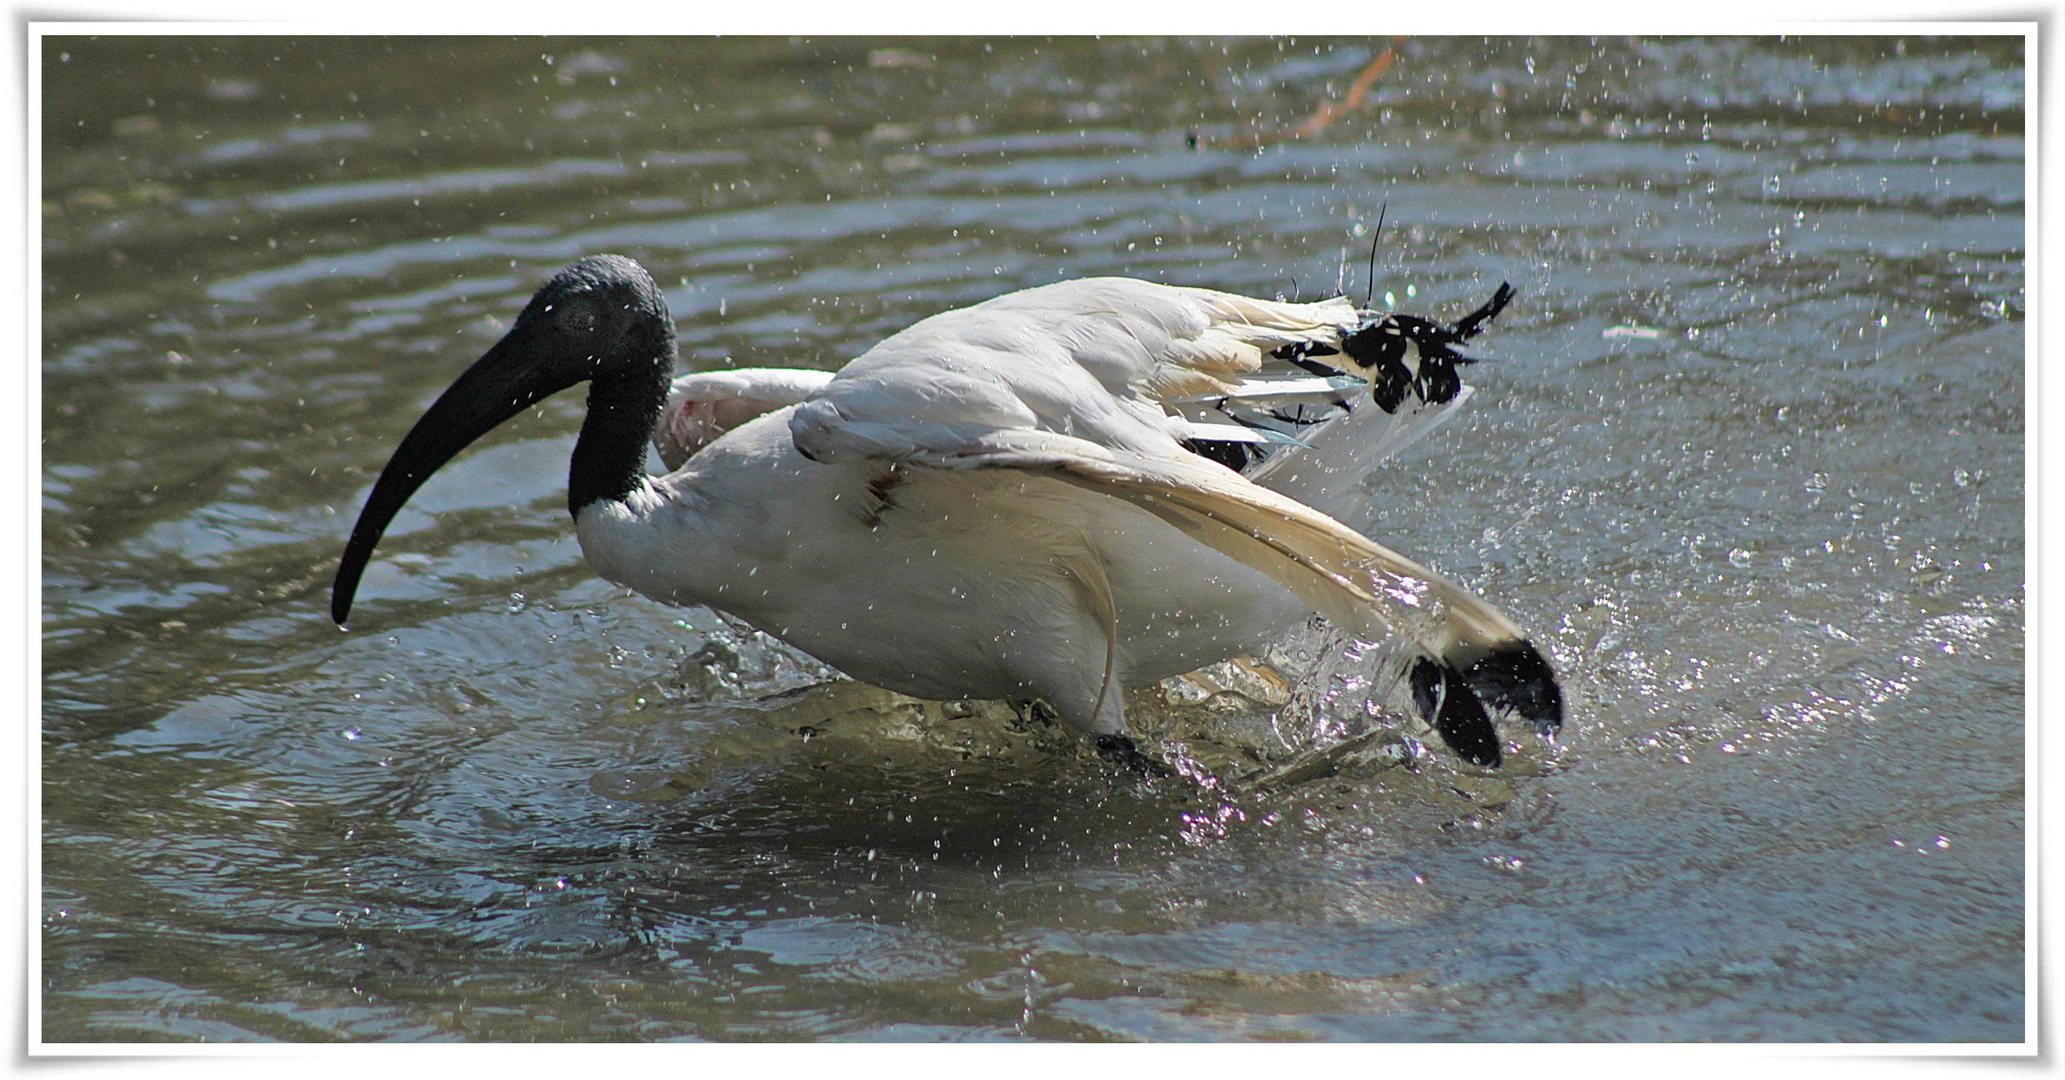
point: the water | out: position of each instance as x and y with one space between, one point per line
1775 547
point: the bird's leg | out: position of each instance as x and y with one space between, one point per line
1115 746
1083 688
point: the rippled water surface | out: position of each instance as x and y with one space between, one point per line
1748 463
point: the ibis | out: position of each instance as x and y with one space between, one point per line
1040 496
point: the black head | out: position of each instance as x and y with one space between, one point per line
601 321
600 317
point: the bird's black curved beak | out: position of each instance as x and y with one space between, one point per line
511 377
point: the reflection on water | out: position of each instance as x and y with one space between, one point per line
1748 461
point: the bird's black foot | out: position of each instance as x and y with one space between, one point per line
1122 749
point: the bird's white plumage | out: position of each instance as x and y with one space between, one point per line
995 502
982 584
1094 359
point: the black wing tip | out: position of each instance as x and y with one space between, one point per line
1456 700
1455 712
1515 675
1379 347
1471 325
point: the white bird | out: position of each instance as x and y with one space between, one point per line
1004 501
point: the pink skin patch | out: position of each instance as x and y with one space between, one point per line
706 406
693 423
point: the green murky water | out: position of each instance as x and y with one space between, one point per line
1775 546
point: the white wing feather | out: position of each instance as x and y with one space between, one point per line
1071 379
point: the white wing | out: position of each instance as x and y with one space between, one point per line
1072 380
1094 358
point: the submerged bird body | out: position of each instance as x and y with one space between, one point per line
1001 501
